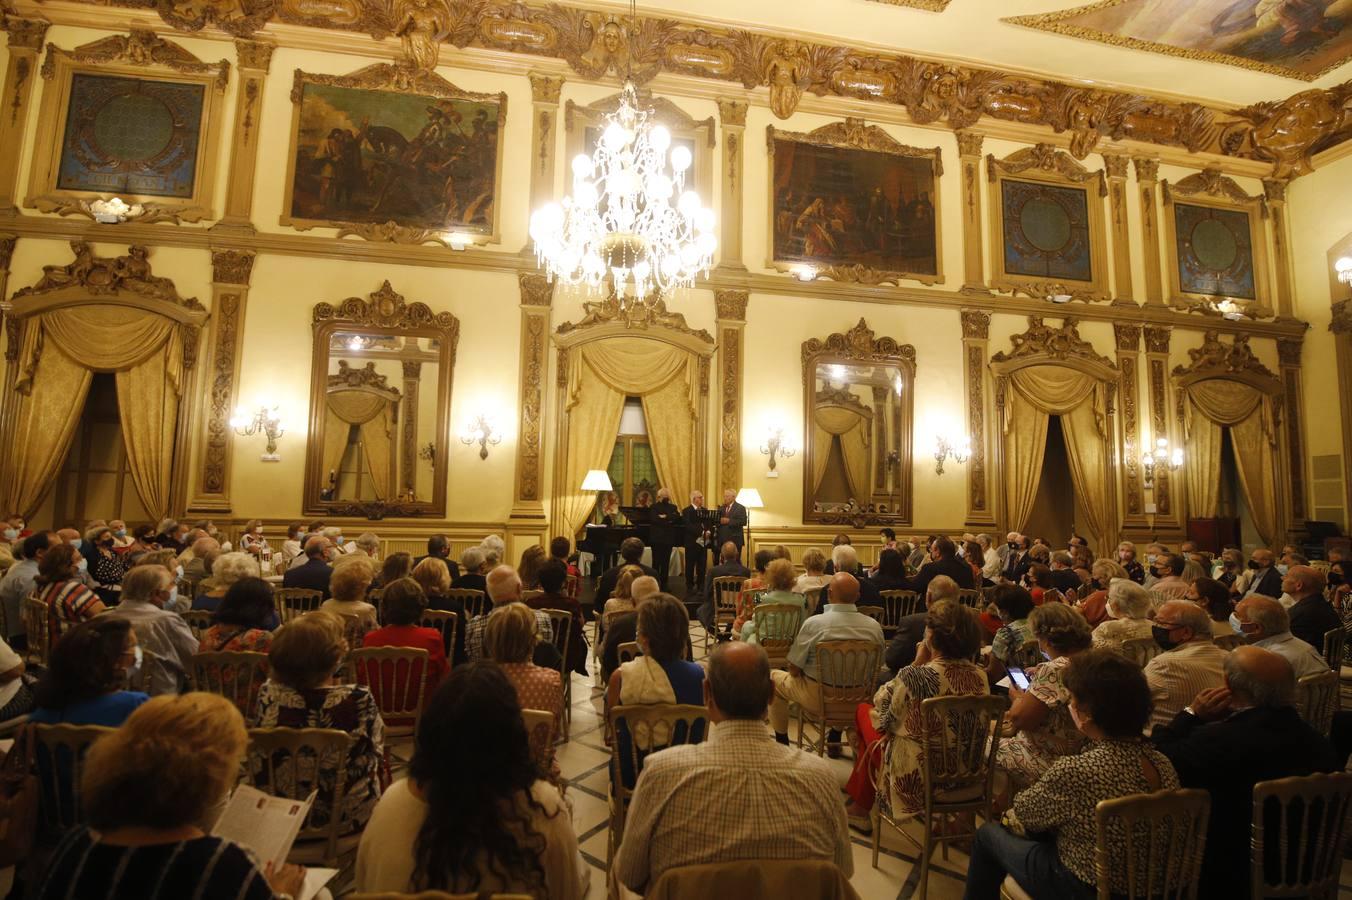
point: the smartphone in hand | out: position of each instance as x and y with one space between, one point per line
1018 678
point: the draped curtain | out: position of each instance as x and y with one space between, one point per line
854 428
369 412
61 350
601 374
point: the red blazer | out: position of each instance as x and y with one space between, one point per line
428 639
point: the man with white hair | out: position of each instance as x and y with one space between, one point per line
367 543
844 558
504 586
495 550
696 544
1191 661
994 556
1265 623
1016 554
315 572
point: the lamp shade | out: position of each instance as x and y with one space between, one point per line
750 498
596 480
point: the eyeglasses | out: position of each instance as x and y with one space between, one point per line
1170 625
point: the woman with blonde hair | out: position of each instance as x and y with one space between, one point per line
622 598
509 640
434 578
779 579
529 569
395 566
814 577
150 791
347 589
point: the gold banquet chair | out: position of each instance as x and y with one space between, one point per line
1317 700
726 589
1140 650
294 762
236 676
776 627
897 605
847 673
475 602
292 603
1299 834
561 622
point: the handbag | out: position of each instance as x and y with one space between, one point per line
18 800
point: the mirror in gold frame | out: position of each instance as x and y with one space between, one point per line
858 414
379 408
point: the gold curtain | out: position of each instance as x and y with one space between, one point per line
378 440
594 416
1087 452
1256 460
854 428
49 410
671 431
148 406
1025 446
369 411
1202 465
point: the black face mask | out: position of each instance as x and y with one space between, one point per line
1013 546
1334 578
1253 564
1161 636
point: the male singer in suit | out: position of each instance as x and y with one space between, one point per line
696 551
731 522
666 522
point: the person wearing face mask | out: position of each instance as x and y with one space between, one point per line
1126 557
145 591
69 601
1265 623
1228 567
252 540
1109 703
1015 548
106 565
121 538
1094 607
86 676
1191 661
1311 615
1263 576
1040 716
21 580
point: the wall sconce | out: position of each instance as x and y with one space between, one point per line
1160 459
481 431
267 419
773 446
1344 269
958 449
113 211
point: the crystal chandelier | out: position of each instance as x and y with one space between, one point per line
628 218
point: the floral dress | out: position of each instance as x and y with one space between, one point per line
897 706
1010 638
1028 754
234 639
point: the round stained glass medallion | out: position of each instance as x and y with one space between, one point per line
1214 245
1045 224
133 127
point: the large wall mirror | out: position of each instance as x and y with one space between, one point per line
858 420
380 408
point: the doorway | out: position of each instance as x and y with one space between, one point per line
1056 506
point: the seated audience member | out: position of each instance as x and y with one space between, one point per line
891 572
1311 615
367 542
472 815
226 570
166 560
439 548
1039 582
751 586
304 691
663 674
315 572
1040 717
1063 574
251 541
1094 607
728 779
624 630
195 567
846 561
1128 607
85 677
495 551
840 620
348 587
779 577
1110 701
1215 599
62 590
401 606
503 588
553 578
106 565
145 590
121 538
730 564
813 579
622 596
1168 571
434 578
920 551
1191 661
509 641
529 566
244 620
631 554
910 629
16 698
1228 739
1263 576
149 791
1228 567
1126 555
945 562
560 548
292 547
170 532
943 667
1266 623
1012 605
473 571
142 539
1194 569
21 580
395 566
993 558
975 558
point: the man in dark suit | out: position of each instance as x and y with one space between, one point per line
1230 739
1266 579
1064 578
731 564
696 545
1016 559
846 559
439 547
315 572
631 554
945 562
731 522
666 526
1311 615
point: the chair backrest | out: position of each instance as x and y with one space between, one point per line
1317 700
776 627
873 612
295 762
527 596
629 651
540 731
476 602
396 677
187 587
650 727
58 751
1028 655
847 672
1226 641
236 676
561 620
726 589
446 621
354 629
1140 650
959 736
1298 834
199 620
1334 643
971 597
34 614
783 879
1052 595
295 602
898 604
1154 841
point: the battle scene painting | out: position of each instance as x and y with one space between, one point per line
375 156
1297 38
839 206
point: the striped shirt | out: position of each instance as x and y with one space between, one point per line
69 601
1177 676
205 868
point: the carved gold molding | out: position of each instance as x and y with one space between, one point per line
975 333
638 315
731 310
973 262
1147 177
1128 338
25 40
732 116
1054 344
1157 340
1211 188
930 5
545 88
536 296
1216 358
1288 355
1116 167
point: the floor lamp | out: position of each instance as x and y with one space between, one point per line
751 499
597 480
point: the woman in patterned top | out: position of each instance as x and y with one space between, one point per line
1110 702
1126 555
243 621
305 692
890 728
1129 611
68 600
509 640
1040 717
106 566
1012 605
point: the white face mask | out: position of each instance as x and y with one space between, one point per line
82 565
170 603
1075 717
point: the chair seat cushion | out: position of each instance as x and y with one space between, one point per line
961 795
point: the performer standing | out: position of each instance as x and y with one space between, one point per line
732 521
696 544
665 526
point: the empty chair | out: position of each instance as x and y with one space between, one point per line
562 622
34 614
1299 834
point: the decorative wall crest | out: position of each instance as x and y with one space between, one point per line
1216 358
1157 338
1212 183
545 88
1128 337
731 304
536 290
857 344
24 34
976 324
393 233
238 17
231 266
1055 343
635 315
152 211
140 47
365 377
256 55
385 308
1046 158
1287 133
854 133
102 275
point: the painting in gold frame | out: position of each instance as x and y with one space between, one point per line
1216 242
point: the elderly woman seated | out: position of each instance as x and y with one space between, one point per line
1094 608
1109 698
304 691
1129 611
347 591
1039 719
150 791
890 728
402 604
779 577
509 640
814 577
61 589
226 570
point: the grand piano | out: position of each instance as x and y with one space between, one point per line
603 541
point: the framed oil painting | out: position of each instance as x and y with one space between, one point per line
850 203
394 157
1047 225
133 117
1216 241
1296 38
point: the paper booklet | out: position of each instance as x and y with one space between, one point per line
267 826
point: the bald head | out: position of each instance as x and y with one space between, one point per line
1263 557
737 684
730 552
1262 617
1184 614
504 585
844 588
1303 581
1258 677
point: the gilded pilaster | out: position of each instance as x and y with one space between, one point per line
1275 191
544 129
969 157
732 117
1128 338
25 42
254 59
1123 295
976 327
408 424
1288 355
1157 359
1147 178
537 293
731 323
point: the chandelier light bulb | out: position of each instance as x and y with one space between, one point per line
1344 269
680 158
